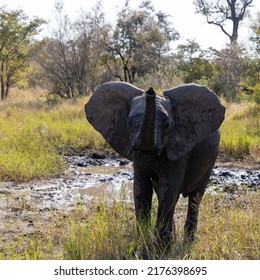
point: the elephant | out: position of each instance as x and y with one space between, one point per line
173 141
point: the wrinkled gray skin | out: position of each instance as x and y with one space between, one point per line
173 141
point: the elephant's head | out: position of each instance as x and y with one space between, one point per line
131 119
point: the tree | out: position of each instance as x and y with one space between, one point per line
16 34
70 59
140 39
195 65
231 66
220 12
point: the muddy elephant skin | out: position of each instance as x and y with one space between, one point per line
172 140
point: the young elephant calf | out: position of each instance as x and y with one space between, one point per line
172 140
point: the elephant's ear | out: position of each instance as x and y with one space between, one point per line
197 113
108 109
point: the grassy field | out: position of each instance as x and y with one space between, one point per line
228 229
35 133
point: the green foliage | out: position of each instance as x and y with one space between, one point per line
16 33
191 63
139 41
231 70
252 71
195 65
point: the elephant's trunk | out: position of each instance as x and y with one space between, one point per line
146 138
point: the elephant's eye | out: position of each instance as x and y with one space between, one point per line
134 122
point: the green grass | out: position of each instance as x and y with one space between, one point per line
228 229
35 135
240 132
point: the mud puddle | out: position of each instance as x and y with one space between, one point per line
85 179
108 179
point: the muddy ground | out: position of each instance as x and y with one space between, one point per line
25 207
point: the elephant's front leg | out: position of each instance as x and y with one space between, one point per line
170 181
167 199
143 193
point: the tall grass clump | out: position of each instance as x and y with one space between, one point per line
240 132
106 233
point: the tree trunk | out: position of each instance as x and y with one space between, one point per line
6 91
2 89
234 36
2 82
125 73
